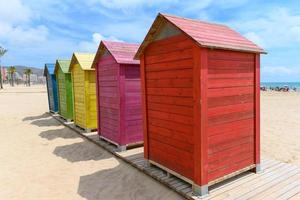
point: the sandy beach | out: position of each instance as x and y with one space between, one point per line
43 160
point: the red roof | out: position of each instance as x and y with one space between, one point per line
206 34
122 52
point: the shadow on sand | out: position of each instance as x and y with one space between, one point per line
122 183
64 133
30 118
81 151
46 122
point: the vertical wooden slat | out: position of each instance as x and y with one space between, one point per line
197 114
86 98
257 109
48 90
122 105
98 98
203 116
144 106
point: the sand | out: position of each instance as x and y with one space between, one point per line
280 126
42 160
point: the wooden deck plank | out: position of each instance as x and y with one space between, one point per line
276 181
278 189
265 185
296 196
258 180
230 185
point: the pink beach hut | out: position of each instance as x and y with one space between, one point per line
118 94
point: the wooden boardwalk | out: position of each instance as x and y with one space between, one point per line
276 181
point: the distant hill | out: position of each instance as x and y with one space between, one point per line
20 70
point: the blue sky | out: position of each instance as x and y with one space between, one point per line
40 31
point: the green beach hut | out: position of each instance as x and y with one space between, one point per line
65 91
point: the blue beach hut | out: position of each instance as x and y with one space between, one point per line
51 87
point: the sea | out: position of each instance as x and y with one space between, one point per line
281 84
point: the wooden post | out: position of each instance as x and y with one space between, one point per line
144 106
98 99
121 82
257 114
204 120
200 186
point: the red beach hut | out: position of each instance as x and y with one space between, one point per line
118 94
200 89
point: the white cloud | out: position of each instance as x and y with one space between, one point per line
255 38
278 28
14 11
91 46
15 24
17 35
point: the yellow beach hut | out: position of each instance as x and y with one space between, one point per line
84 91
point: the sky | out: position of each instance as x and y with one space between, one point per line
40 31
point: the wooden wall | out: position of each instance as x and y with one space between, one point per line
132 111
108 98
52 92
78 79
168 72
90 96
65 94
61 83
231 106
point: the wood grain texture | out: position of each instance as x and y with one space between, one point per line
65 93
84 93
199 104
231 111
169 103
257 109
119 101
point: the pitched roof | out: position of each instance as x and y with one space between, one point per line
85 60
205 34
122 52
49 67
63 64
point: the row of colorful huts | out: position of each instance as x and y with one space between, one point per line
189 92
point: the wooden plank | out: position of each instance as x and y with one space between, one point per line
231 117
233 82
229 64
170 83
257 110
180 92
197 165
203 118
267 183
178 101
230 127
222 92
229 55
170 65
256 183
144 106
181 110
179 42
171 117
230 100
170 74
221 110
228 186
293 194
172 134
279 189
175 55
